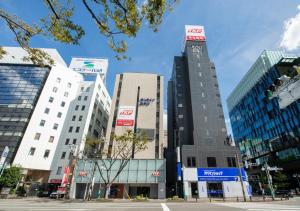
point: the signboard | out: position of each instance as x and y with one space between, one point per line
220 174
65 179
4 155
179 172
55 181
126 116
82 173
89 65
156 174
194 33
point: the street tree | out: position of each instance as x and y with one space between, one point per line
10 177
117 20
110 162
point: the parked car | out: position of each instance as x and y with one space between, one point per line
43 194
56 195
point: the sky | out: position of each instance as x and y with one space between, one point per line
237 31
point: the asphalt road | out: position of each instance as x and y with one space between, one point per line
53 205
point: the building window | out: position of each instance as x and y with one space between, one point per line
59 169
73 117
74 141
46 154
211 162
66 94
90 127
180 105
180 116
85 98
70 129
203 94
69 85
191 162
87 89
231 161
54 89
80 118
42 123
51 99
58 80
63 155
59 114
82 108
205 119
76 107
37 136
181 128
77 129
200 74
32 151
62 104
70 155
55 126
203 106
79 98
201 84
67 141
82 88
47 110
51 139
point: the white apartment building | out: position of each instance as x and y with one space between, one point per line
66 109
88 116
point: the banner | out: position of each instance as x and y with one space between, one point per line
126 116
220 174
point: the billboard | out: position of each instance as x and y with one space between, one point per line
89 65
126 116
220 174
194 33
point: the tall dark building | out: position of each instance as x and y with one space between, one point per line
197 134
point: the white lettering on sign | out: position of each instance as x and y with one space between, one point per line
213 173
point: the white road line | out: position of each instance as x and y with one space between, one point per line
165 207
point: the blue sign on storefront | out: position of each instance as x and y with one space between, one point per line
220 174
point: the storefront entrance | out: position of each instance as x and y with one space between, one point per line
139 191
194 189
215 189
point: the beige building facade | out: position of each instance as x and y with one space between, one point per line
142 94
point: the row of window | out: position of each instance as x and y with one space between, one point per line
211 162
37 137
58 80
33 149
43 122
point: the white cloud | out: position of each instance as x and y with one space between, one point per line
291 35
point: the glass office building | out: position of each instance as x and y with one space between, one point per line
263 131
20 87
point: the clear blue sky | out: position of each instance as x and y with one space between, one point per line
237 32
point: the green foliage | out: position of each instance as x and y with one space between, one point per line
10 177
113 19
280 180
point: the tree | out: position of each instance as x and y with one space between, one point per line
281 180
112 18
115 158
10 177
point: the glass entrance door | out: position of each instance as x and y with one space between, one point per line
215 189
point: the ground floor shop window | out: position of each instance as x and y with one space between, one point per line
215 189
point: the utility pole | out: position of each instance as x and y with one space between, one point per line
241 177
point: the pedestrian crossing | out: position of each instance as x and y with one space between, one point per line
260 206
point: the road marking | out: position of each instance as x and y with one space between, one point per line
260 206
165 207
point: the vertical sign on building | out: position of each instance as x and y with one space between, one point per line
4 156
126 115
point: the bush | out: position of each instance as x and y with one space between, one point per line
21 191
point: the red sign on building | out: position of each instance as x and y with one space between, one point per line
126 116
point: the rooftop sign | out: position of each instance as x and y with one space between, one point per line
194 33
89 65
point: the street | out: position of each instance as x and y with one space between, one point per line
54 205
